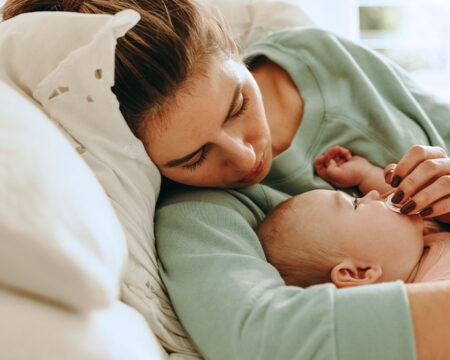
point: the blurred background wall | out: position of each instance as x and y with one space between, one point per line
413 33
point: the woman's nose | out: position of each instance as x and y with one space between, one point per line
238 153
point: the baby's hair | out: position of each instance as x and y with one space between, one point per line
174 40
430 226
302 258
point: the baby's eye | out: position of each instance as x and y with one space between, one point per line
355 202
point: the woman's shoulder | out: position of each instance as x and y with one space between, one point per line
308 44
185 195
298 35
251 203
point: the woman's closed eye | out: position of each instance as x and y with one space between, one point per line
198 162
243 107
202 158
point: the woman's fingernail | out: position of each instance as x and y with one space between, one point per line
396 180
426 212
410 205
398 196
388 174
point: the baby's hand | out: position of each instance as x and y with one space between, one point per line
340 168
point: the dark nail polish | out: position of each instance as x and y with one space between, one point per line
426 212
398 196
410 205
396 180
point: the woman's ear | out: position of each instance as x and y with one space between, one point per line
347 274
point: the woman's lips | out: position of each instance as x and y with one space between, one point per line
255 173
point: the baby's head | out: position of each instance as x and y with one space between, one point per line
323 235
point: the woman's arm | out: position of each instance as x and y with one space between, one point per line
430 304
235 305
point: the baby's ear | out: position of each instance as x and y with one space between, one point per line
347 274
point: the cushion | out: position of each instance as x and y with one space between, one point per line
39 330
72 85
59 236
63 250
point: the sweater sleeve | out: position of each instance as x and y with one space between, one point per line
432 112
234 305
437 109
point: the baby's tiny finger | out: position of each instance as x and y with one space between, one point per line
319 161
346 154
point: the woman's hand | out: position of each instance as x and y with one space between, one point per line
422 179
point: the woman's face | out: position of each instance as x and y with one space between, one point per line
216 134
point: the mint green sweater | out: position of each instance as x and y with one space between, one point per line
234 304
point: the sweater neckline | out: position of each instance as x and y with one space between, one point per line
302 147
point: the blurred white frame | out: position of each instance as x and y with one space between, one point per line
338 16
342 17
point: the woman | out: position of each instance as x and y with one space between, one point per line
207 121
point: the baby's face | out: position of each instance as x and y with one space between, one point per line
369 231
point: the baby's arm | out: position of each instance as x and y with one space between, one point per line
341 169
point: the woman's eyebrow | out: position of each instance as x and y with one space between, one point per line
179 161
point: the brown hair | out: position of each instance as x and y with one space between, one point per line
173 40
294 247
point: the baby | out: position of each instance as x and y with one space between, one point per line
324 235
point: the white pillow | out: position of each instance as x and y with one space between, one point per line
62 248
72 79
69 50
59 237
37 330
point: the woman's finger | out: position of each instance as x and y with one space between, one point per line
388 172
432 200
413 157
439 208
432 171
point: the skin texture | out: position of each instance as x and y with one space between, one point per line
237 150
422 175
379 245
429 302
240 154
